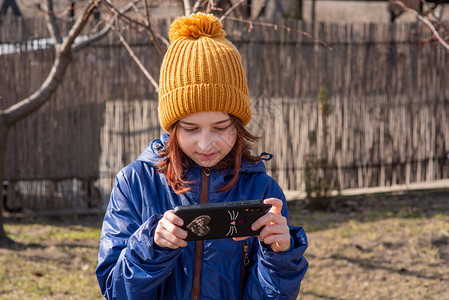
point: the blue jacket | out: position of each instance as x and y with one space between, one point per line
132 266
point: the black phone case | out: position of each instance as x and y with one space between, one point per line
221 220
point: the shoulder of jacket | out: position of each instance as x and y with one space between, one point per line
138 169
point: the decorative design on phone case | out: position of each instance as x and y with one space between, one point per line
232 229
199 225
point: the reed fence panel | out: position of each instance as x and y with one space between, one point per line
364 105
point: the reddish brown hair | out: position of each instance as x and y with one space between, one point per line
176 162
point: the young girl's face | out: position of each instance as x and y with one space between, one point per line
206 137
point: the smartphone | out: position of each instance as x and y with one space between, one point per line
221 220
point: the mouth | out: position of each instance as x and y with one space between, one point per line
206 156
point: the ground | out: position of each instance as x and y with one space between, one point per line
384 246
379 247
56 260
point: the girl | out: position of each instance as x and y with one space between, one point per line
204 158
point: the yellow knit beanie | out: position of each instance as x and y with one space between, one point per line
201 71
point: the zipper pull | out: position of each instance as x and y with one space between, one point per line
245 247
206 171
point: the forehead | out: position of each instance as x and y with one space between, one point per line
206 118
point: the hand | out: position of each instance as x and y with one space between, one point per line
276 232
168 234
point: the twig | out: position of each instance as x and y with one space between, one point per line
77 28
275 27
137 10
211 6
151 34
132 22
231 9
134 57
196 6
435 18
51 24
425 21
93 38
147 13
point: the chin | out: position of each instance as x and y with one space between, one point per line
207 164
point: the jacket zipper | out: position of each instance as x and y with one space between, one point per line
199 244
245 263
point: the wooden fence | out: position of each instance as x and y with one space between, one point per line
369 108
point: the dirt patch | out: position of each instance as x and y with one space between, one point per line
442 244
385 246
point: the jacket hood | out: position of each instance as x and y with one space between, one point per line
151 156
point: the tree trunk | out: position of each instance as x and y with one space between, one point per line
25 107
22 109
4 240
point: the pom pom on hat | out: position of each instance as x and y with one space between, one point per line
195 26
201 71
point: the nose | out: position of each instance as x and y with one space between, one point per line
204 141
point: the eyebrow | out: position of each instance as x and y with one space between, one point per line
215 123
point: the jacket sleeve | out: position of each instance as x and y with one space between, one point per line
130 265
277 275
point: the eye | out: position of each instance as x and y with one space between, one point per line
189 129
222 128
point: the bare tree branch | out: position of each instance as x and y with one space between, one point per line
275 27
154 40
95 37
122 15
231 9
196 6
51 23
187 7
77 27
163 39
133 22
33 102
425 21
137 10
134 57
30 104
148 28
147 12
431 12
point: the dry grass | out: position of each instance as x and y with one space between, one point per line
56 259
379 247
371 247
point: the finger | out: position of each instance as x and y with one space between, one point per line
168 234
170 215
163 242
173 229
171 222
278 242
268 219
165 237
277 204
273 230
275 238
